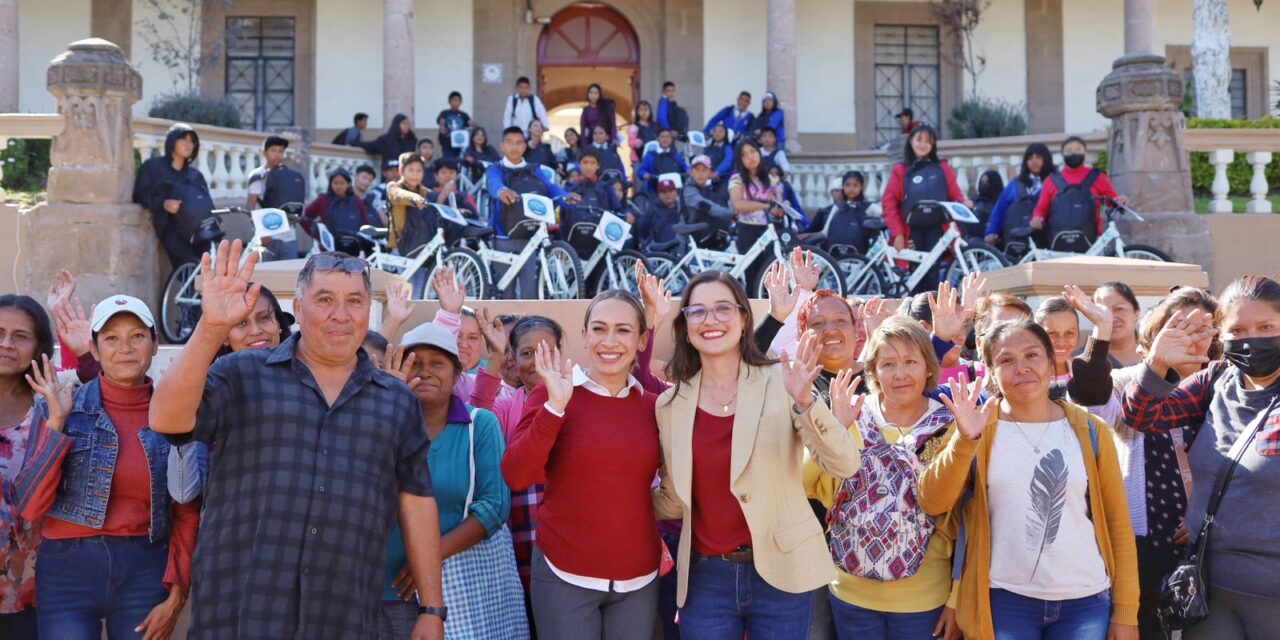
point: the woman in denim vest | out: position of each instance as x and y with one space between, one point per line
115 549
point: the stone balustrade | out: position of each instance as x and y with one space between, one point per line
1258 147
327 157
813 175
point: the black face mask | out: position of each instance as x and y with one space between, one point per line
1073 160
1254 357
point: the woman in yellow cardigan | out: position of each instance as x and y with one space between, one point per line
1050 551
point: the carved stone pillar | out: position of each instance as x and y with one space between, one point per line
8 56
781 65
89 226
397 60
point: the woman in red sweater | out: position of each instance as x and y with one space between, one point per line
591 434
919 177
115 549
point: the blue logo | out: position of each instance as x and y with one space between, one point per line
272 221
538 207
613 231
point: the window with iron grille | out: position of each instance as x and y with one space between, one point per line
907 74
260 70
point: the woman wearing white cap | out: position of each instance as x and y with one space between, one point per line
482 591
115 548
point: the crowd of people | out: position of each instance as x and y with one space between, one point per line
954 464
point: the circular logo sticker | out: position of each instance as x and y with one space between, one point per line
538 207
917 180
613 231
272 221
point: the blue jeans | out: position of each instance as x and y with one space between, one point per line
856 623
1018 617
82 581
726 599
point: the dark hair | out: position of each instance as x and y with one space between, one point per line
589 152
1123 289
422 141
662 130
919 309
508 320
1052 305
1259 288
339 265
574 132
522 80
39 319
599 89
528 323
1071 139
909 155
479 131
455 94
1001 330
616 294
513 131
745 93
856 175
365 168
668 84
376 340
283 320
719 125
766 129
1037 149
1177 300
652 115
741 169
360 115
988 306
444 163
777 104
411 157
275 141
685 361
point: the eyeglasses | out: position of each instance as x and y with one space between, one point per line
723 312
337 262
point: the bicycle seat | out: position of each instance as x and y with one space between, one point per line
664 247
375 233
875 224
1019 233
689 229
209 232
472 232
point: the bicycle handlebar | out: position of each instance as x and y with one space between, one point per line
1113 205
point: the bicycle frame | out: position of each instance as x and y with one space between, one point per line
187 295
411 264
703 259
882 254
517 261
1099 247
603 255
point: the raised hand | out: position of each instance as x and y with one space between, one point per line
805 272
450 293
782 298
970 414
73 327
875 312
846 404
1175 345
399 306
400 365
495 335
800 372
43 380
948 316
64 287
974 287
557 376
227 297
653 292
1099 315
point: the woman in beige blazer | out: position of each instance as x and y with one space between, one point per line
734 429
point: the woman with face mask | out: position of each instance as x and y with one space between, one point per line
1227 409
1073 188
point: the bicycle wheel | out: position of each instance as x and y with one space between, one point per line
178 319
978 257
1144 252
624 265
563 279
663 265
861 277
468 269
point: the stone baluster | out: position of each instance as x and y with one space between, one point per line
1220 158
962 179
1258 186
236 176
1015 167
221 177
872 188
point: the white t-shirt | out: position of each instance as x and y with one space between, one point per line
1043 544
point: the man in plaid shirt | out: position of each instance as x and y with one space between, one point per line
317 453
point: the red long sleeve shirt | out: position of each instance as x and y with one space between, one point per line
596 518
1101 187
891 200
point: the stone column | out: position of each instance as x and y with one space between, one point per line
782 64
112 20
1139 26
397 59
89 226
8 56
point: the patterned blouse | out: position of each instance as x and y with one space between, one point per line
758 193
20 538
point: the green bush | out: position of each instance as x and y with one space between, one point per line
195 109
983 117
1239 172
26 165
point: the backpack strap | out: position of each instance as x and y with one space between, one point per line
1087 184
1059 182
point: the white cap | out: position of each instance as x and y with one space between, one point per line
108 308
431 335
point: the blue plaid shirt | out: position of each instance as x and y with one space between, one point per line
301 496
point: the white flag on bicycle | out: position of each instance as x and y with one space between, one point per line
269 223
612 231
450 213
539 208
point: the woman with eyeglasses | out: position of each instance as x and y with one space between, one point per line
734 429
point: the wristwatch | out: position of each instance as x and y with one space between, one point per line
439 611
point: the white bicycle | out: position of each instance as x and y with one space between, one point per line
604 268
878 274
1110 243
560 271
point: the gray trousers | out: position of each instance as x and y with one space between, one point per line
562 610
527 280
396 620
1235 616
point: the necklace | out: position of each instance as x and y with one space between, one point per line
1035 446
724 406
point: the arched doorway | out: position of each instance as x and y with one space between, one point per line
586 43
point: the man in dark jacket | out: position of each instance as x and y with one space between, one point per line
656 229
341 211
706 200
351 135
670 114
176 194
399 138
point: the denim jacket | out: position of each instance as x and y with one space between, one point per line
90 441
